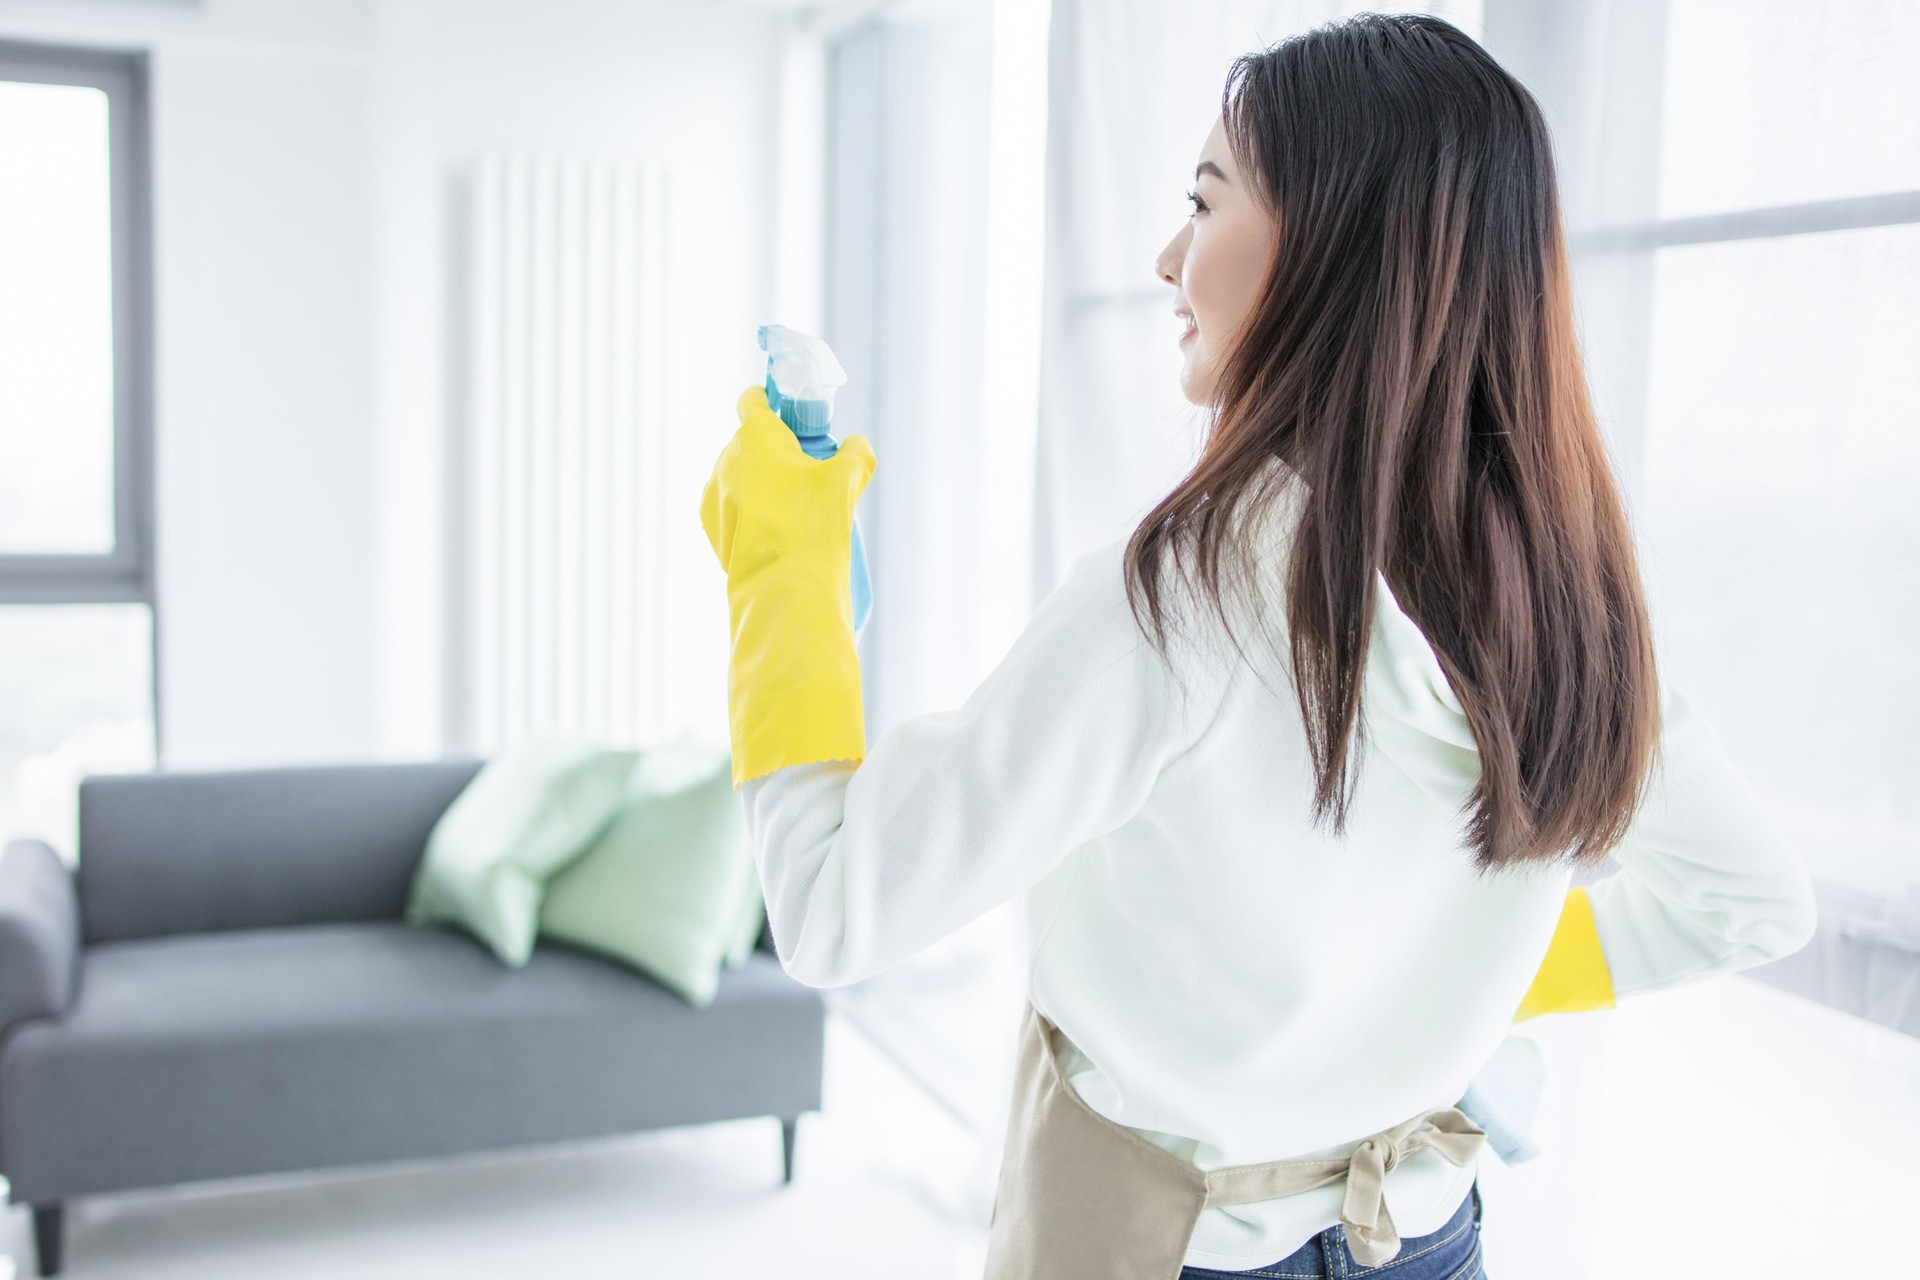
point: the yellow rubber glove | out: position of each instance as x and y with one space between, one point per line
1574 976
781 523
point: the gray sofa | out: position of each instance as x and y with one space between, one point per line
228 987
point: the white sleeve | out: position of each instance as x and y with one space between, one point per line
1708 882
955 812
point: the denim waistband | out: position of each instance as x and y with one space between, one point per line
1439 1255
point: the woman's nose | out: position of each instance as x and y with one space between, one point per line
1167 265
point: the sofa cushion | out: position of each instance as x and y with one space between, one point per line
752 919
210 1055
531 810
667 887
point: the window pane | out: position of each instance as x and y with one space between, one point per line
1781 526
1781 101
76 685
56 321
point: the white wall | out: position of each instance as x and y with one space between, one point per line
693 86
303 151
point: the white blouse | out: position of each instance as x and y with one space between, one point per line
1239 985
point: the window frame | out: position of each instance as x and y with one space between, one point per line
124 574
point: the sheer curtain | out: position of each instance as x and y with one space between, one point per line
934 117
1741 185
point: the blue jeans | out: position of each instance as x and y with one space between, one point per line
1451 1253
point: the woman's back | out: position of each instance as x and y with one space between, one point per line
1241 986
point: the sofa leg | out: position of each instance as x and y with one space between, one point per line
787 1125
47 1222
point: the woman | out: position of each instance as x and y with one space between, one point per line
1249 952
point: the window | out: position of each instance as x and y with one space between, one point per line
1780 460
77 630
1746 256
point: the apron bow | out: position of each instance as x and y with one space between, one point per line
1369 1226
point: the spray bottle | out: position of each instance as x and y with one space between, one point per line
802 376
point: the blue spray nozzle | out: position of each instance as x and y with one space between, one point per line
802 376
806 417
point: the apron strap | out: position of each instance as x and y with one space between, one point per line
1369 1226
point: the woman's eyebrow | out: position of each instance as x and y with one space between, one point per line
1208 166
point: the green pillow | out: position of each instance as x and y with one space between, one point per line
663 889
527 813
753 914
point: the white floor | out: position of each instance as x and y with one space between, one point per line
885 1185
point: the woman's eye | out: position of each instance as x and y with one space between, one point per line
1199 205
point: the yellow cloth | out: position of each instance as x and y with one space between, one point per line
781 523
1574 976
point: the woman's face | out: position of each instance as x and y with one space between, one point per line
1217 264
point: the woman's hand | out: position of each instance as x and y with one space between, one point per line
767 497
781 524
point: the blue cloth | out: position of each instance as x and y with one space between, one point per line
1451 1253
1503 1097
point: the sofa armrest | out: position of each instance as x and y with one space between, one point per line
39 933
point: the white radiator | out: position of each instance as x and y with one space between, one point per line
564 411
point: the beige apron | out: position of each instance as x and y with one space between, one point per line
1083 1198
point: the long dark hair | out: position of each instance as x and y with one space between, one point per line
1412 365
